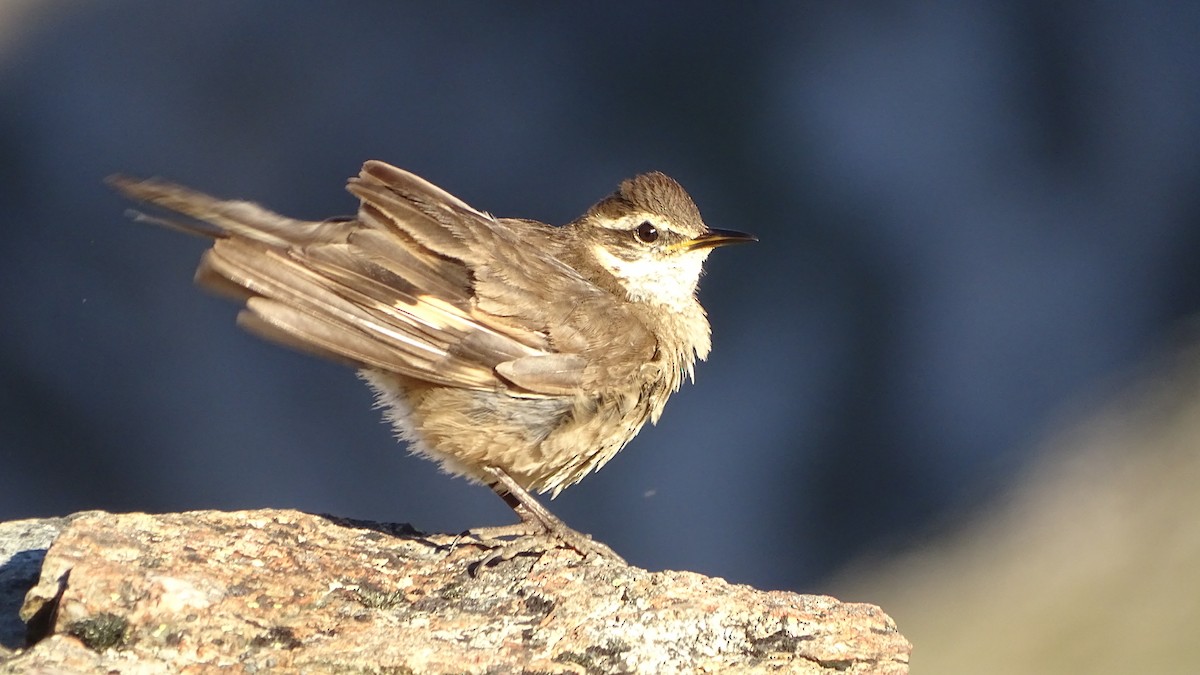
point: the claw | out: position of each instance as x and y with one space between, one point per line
539 530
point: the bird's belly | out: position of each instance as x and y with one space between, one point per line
544 443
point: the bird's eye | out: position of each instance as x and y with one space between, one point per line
646 232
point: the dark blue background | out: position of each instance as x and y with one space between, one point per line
973 216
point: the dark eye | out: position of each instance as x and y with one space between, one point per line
646 232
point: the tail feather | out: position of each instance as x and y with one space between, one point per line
232 217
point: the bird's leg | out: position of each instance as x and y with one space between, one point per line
538 531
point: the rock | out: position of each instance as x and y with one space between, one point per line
283 591
23 545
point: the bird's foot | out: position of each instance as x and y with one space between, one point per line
508 541
539 530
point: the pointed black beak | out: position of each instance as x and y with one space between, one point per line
715 238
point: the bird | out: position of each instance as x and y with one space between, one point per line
513 353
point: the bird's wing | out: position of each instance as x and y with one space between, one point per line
420 284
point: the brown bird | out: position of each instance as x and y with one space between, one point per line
514 353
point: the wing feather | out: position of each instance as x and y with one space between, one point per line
420 284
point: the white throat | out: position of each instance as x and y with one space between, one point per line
663 282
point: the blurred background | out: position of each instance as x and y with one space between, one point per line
955 378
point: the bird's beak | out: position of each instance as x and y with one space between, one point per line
715 238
